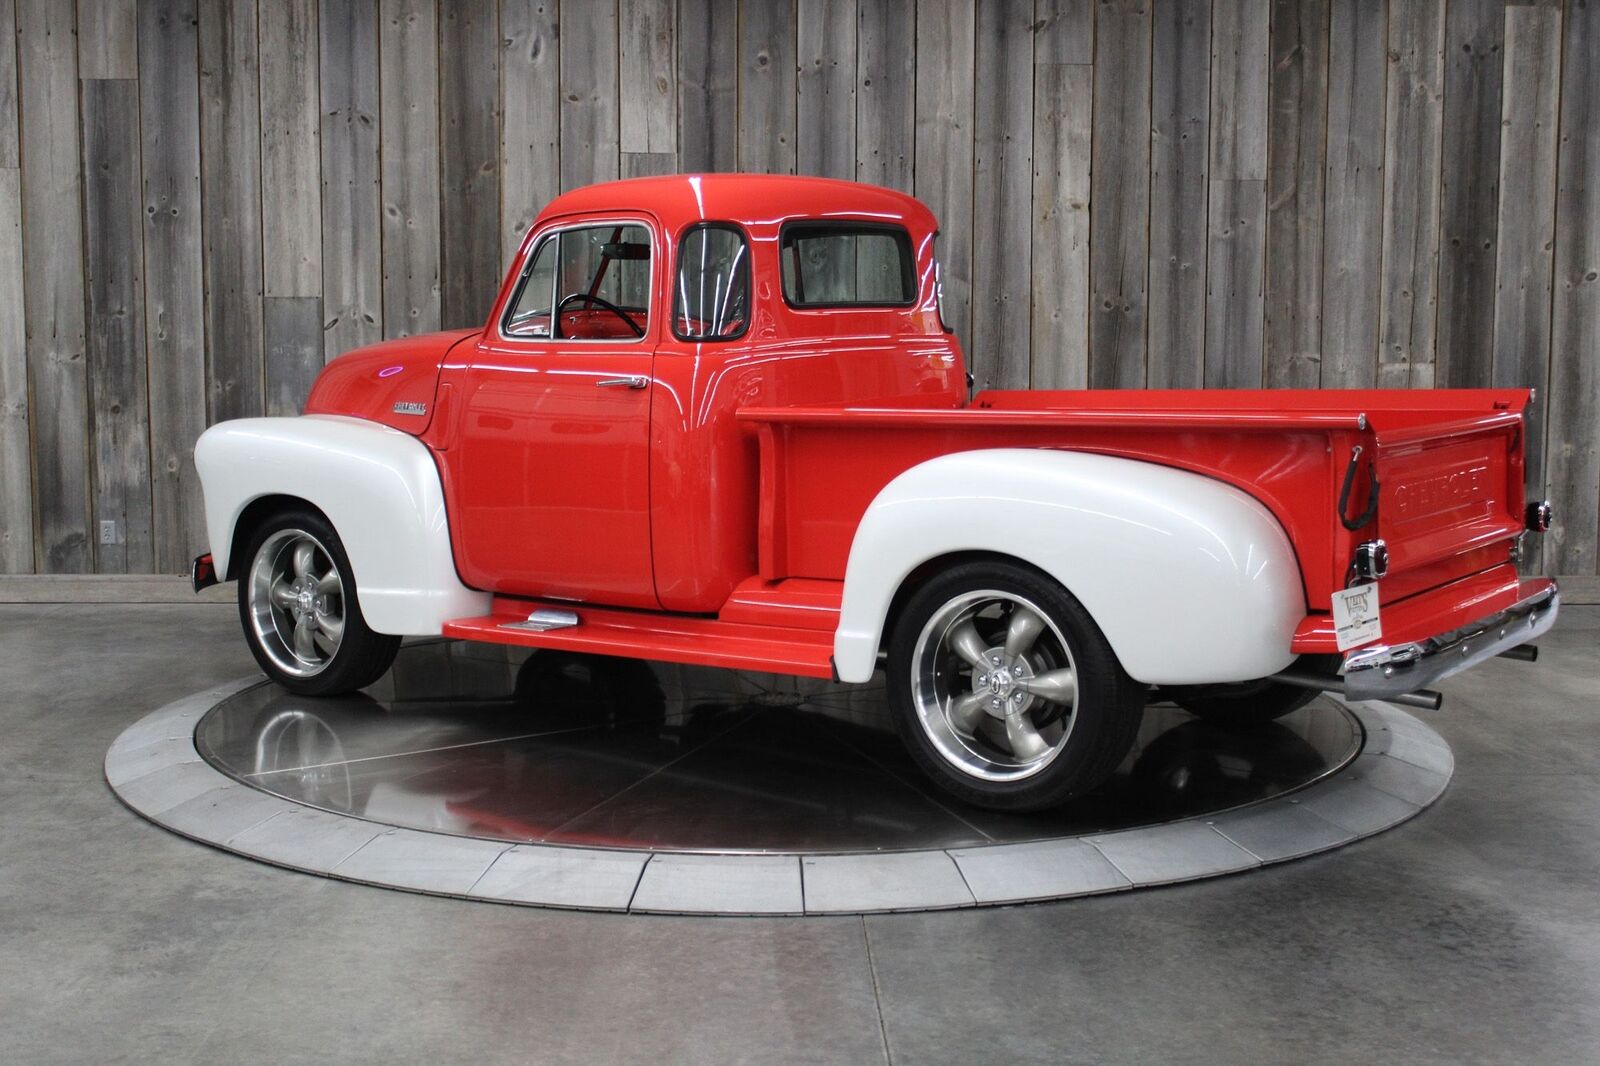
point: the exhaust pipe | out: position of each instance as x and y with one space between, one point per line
1523 653
1427 699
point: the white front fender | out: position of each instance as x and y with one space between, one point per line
378 486
1191 580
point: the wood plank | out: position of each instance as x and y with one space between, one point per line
352 234
110 588
1239 58
107 41
530 130
944 148
1529 128
648 164
1119 218
52 279
1296 171
9 157
1411 195
708 88
174 283
1063 117
1573 543
1236 241
1063 112
648 76
1353 208
825 88
294 350
408 108
230 199
291 155
589 131
469 127
113 247
766 86
1180 156
16 465
1002 352
1469 187
1063 31
886 90
1235 269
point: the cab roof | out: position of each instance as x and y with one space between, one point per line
752 200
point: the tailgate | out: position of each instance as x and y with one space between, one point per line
1450 499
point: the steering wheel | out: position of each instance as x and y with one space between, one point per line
604 305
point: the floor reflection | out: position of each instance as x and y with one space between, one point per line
577 749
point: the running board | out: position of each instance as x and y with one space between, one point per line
692 639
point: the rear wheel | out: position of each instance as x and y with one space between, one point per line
300 611
1006 692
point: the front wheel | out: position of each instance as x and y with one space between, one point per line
1005 691
300 611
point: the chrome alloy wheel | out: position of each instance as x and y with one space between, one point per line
994 685
296 602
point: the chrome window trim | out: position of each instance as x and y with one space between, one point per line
527 265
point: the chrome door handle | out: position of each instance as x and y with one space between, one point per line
632 381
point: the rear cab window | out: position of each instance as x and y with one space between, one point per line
847 264
711 291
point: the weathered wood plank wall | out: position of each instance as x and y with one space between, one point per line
201 201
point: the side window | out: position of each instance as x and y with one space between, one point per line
589 283
847 264
711 294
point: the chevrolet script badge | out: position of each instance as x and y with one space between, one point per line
410 407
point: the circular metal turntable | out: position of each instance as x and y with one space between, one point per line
576 780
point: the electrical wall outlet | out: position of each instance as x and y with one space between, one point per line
108 531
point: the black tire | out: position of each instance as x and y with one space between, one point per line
1086 742
1250 703
358 656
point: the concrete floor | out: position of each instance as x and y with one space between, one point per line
1471 934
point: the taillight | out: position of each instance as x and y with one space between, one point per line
1371 560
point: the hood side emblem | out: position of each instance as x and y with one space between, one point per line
410 407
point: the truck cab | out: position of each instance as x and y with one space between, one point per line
719 419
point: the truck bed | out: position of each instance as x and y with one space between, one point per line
1290 449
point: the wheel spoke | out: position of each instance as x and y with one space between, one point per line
966 712
965 642
1023 630
283 596
1025 741
1057 686
328 584
301 558
305 639
331 625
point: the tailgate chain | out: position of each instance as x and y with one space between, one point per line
1353 524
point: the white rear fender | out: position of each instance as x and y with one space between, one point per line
1190 579
378 487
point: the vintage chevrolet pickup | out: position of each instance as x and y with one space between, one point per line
719 419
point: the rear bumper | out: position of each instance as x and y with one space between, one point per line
1390 670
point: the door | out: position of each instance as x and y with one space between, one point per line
551 463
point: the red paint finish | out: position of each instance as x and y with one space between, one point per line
368 382
711 510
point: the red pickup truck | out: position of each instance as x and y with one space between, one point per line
719 419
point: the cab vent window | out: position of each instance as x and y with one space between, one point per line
711 295
590 283
847 264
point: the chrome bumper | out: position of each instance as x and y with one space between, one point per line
1387 671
